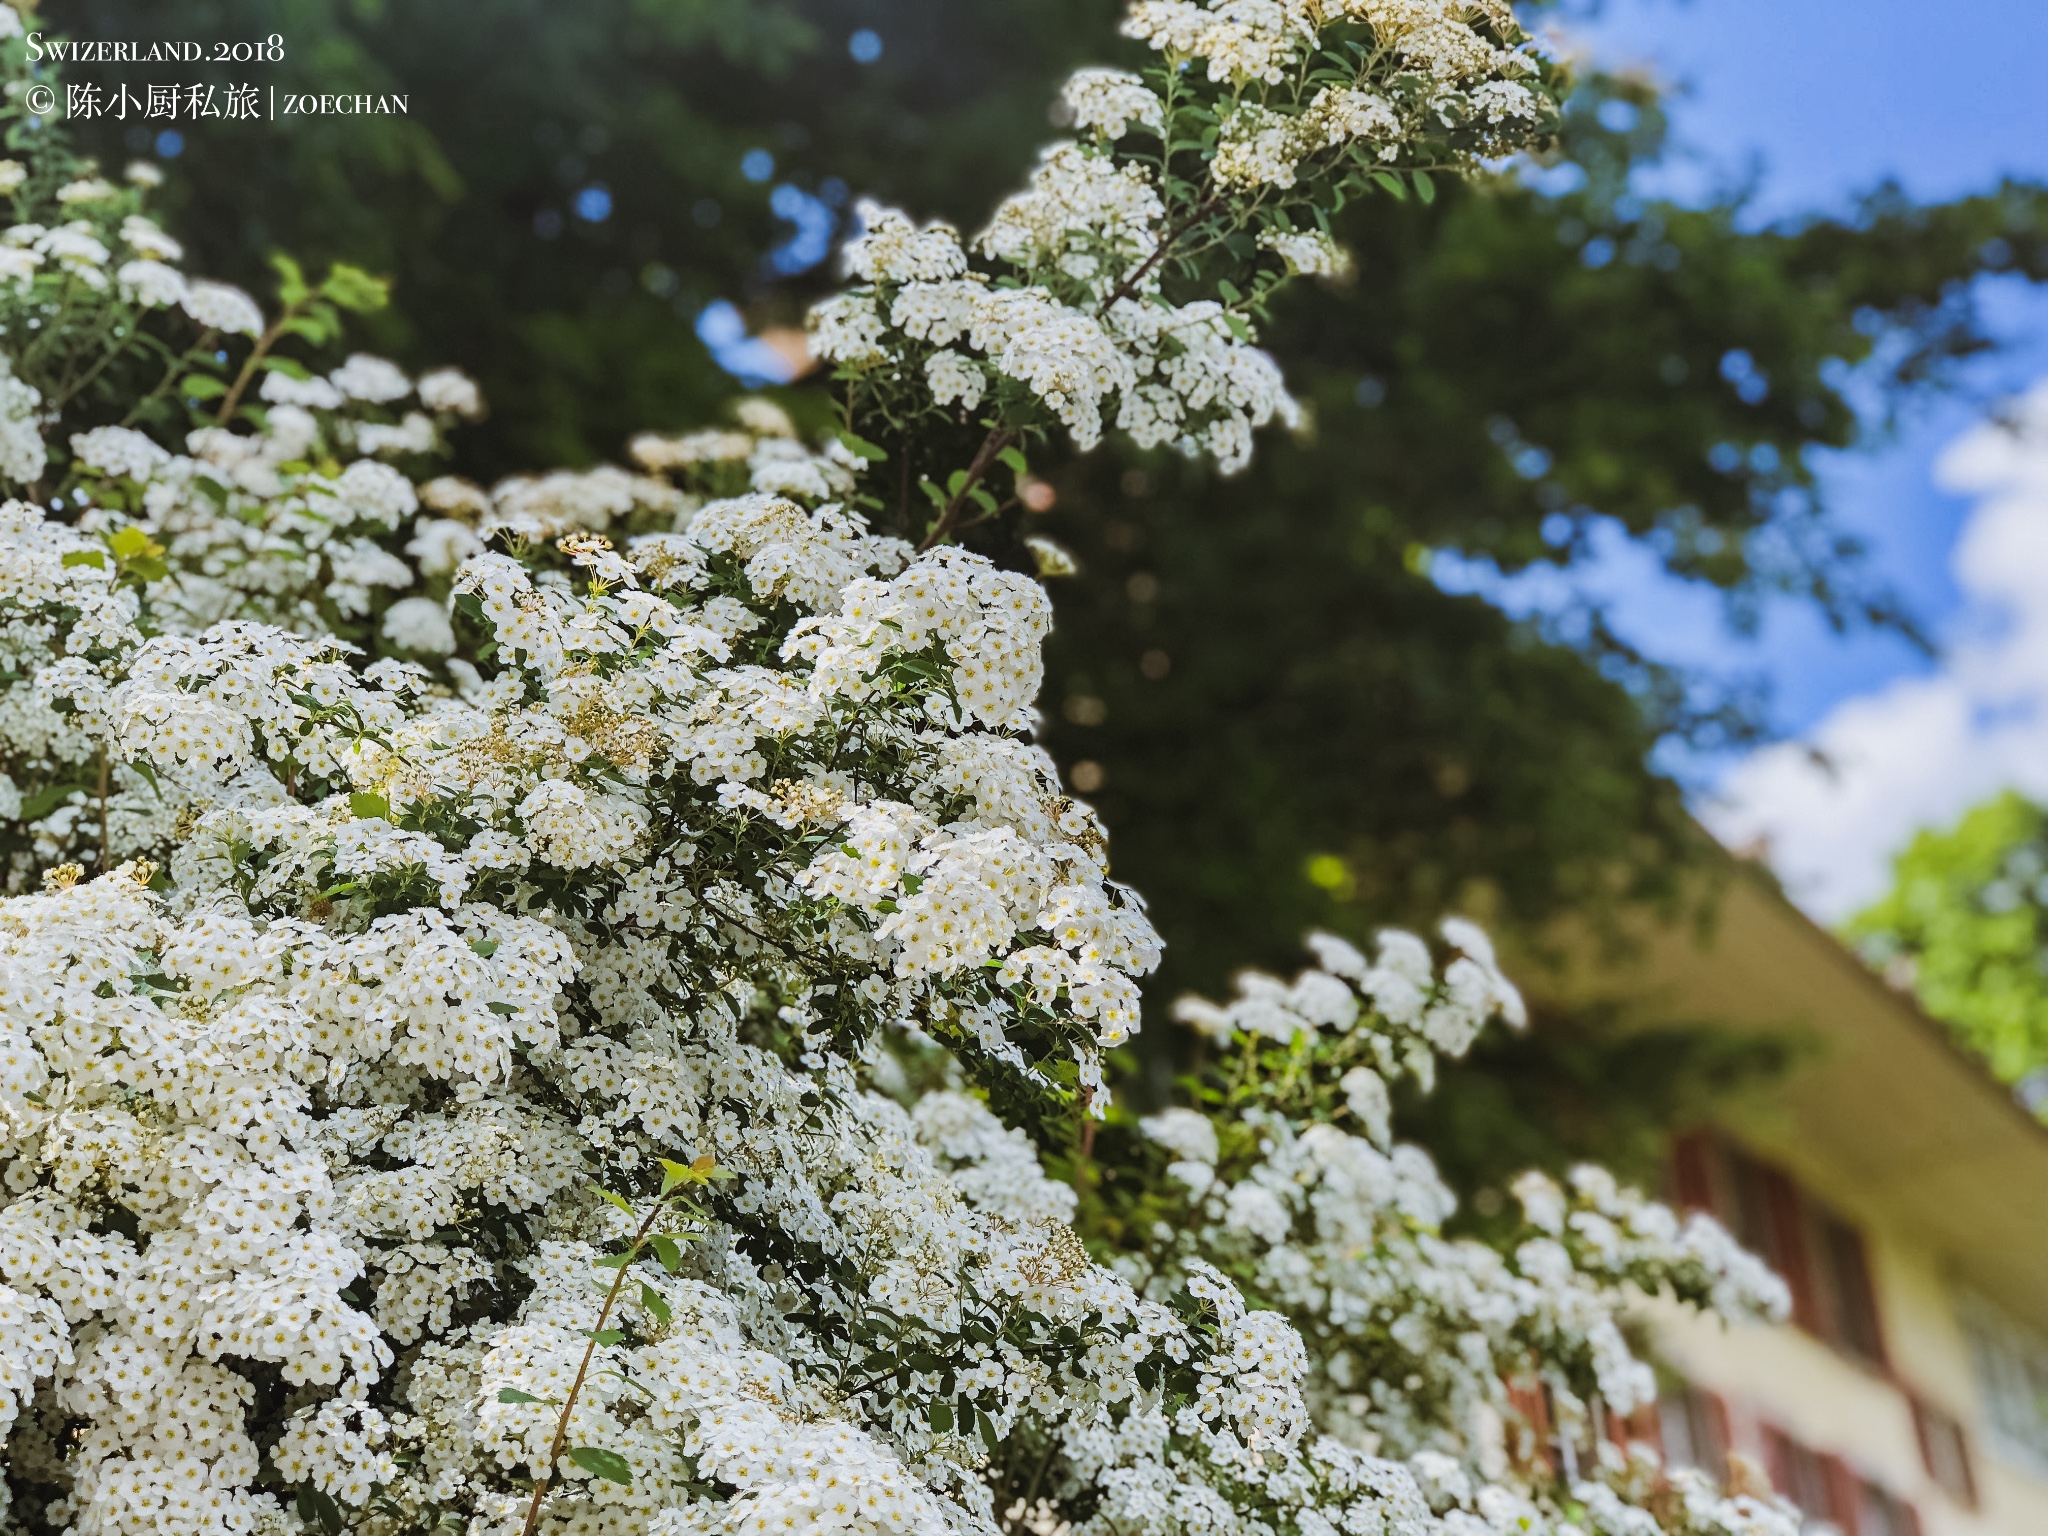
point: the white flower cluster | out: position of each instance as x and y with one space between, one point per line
1415 1341
1457 60
1076 312
1185 375
682 821
433 956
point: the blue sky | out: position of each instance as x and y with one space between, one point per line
1832 96
1821 100
1814 102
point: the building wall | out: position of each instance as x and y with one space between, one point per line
1861 1413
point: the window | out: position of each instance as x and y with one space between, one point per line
1879 1514
1834 1500
1801 1474
1820 1256
2012 1373
1841 1284
1945 1450
1693 1426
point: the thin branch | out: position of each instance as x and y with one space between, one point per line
256 355
178 361
991 448
1086 1151
68 391
1129 286
106 774
540 1483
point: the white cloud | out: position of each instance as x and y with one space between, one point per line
1831 811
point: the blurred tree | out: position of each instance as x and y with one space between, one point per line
1512 368
571 184
1285 719
1965 926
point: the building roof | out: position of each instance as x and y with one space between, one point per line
1880 1098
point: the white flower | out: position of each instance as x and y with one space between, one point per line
1184 1131
151 284
452 391
315 394
952 377
1108 101
763 418
414 434
118 451
1308 252
890 249
146 239
714 445
18 265
364 377
846 329
91 189
22 455
419 625
223 307
1365 1095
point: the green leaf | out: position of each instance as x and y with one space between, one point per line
606 1336
1424 187
619 1200
1389 182
502 1010
1015 460
668 1252
484 947
315 1506
91 557
941 1417
369 807
132 543
987 1426
514 1395
609 1465
291 285
354 289
318 325
44 801
1229 290
204 386
862 448
655 1303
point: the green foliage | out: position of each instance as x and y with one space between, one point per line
584 336
1269 657
1965 924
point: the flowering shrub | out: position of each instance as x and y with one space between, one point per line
541 1008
